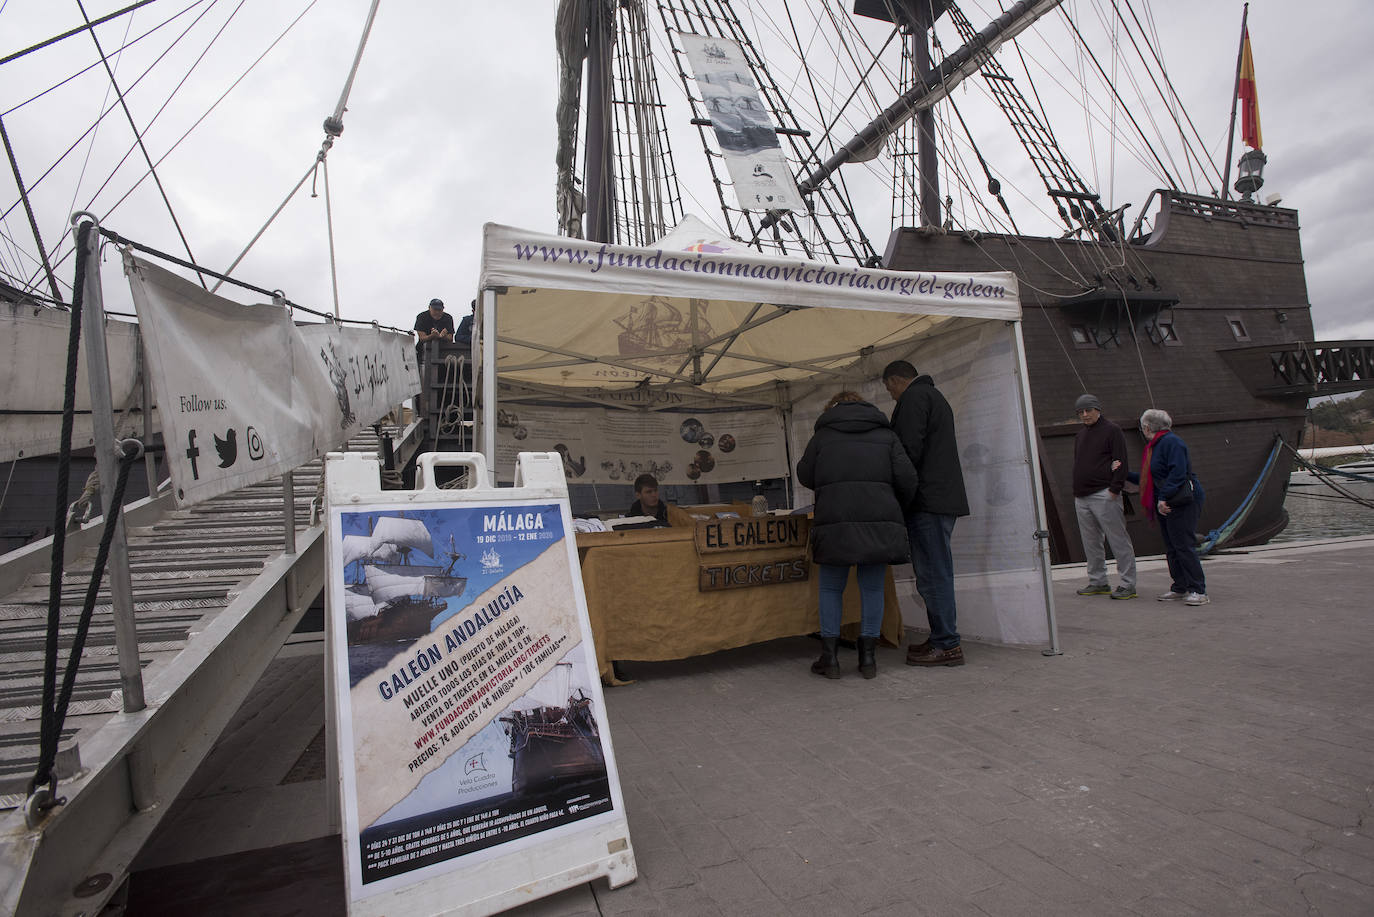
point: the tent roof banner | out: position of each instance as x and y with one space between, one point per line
698 311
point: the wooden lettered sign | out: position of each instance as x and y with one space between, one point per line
752 533
736 575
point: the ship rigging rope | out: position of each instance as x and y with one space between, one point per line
70 32
171 149
333 127
1328 477
54 703
1135 84
1168 176
148 250
133 126
106 110
1224 532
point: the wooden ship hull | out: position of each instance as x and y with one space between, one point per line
553 746
1212 324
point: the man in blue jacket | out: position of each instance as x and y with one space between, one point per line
924 422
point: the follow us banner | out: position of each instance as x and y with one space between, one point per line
244 394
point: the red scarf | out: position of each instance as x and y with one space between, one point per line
1147 483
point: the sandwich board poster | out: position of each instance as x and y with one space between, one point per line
469 710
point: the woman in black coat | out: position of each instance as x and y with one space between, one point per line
862 478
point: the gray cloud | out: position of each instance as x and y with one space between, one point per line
450 125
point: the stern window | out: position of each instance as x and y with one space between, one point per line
1166 333
1237 326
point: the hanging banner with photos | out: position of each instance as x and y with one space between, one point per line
608 446
747 136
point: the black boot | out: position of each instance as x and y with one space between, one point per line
868 662
829 663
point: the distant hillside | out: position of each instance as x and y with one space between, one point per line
1341 423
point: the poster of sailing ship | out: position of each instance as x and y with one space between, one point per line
548 739
389 597
469 685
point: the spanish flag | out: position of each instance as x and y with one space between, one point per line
1249 97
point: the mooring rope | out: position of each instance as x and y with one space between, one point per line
54 702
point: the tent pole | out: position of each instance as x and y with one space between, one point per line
487 329
1042 535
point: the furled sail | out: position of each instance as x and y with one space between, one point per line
402 533
356 548
358 604
388 582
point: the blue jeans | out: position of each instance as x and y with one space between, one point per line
833 578
933 562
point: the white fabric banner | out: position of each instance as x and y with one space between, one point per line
605 446
33 362
747 136
997 561
519 259
244 395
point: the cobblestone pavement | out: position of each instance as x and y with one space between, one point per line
1173 760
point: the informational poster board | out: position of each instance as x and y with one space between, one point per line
475 758
744 128
608 446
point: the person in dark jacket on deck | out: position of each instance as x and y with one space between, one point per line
1099 472
924 422
862 479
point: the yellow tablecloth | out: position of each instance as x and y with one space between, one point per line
643 600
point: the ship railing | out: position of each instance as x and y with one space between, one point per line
1208 208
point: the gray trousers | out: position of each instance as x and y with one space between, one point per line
1100 517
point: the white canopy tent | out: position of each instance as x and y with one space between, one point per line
699 325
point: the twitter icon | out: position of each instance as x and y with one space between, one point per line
228 448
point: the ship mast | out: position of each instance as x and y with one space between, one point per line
927 89
916 18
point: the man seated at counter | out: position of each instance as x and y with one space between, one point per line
647 502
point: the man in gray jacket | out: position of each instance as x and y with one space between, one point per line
924 422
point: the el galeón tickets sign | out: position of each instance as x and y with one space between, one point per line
774 549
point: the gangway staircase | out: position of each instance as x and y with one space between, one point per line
216 594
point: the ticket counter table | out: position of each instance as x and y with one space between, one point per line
702 586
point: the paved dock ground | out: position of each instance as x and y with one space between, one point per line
1173 760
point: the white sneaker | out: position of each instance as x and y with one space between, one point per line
1170 596
1196 598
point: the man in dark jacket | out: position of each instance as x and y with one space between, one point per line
924 422
1099 471
862 479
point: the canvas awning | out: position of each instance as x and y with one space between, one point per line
696 313
697 324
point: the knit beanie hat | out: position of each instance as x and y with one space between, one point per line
1087 402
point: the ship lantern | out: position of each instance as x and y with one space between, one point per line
1250 173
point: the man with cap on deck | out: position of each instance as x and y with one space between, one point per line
1099 472
433 324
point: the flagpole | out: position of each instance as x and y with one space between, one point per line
1235 96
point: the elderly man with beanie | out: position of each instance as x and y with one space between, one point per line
1099 472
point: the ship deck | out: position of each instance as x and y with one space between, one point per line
1173 760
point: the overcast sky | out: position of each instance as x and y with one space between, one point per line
450 125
